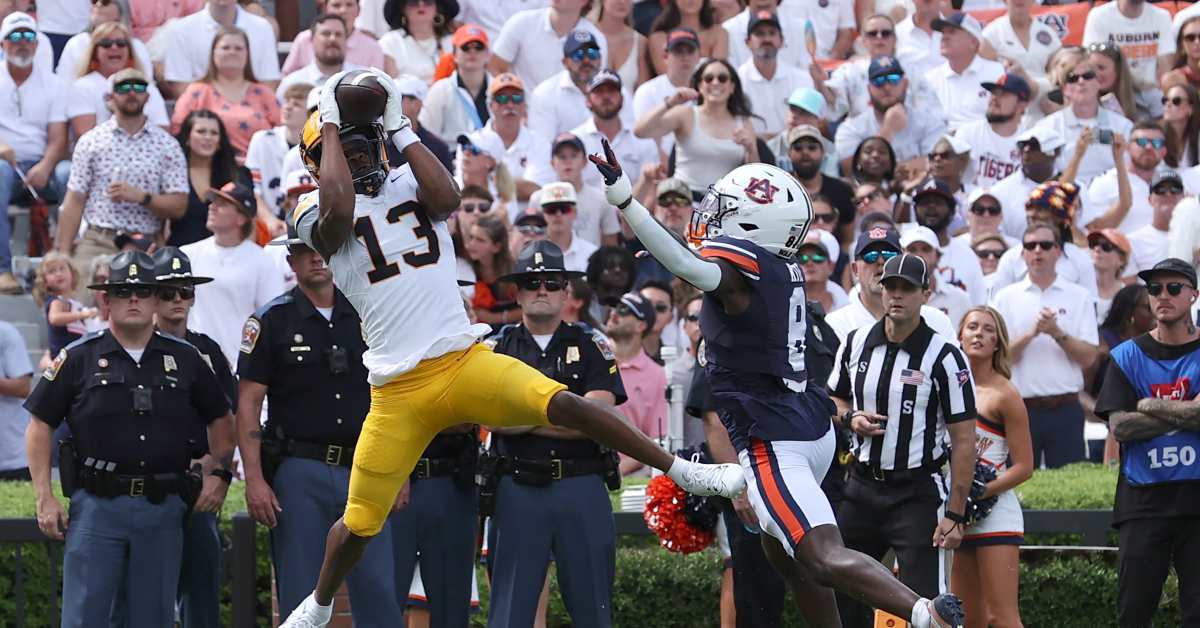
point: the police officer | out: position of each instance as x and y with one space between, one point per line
303 353
551 495
134 399
200 575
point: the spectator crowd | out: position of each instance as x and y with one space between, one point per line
1028 173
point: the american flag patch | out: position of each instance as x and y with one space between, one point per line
964 376
911 377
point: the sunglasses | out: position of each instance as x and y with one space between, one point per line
168 294
991 210
531 230
815 258
1164 190
625 310
1073 78
887 79
880 34
692 318
558 208
109 43
720 78
660 307
471 208
1107 247
988 253
1155 288
125 292
1102 46
871 257
504 99
125 88
674 201
590 53
19 36
1045 245
1176 100
551 285
1156 142
867 198
1191 38
472 46
829 218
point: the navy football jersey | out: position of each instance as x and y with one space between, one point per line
768 337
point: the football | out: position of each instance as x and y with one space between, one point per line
360 97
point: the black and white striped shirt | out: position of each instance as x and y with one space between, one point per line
920 385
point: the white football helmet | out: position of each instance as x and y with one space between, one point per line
756 202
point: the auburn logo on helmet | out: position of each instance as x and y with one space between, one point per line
761 190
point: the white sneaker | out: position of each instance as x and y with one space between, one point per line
309 615
726 480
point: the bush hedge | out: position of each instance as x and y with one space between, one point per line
657 588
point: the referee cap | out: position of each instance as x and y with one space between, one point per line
907 267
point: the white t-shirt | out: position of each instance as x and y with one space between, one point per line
245 278
1102 193
827 17
264 159
26 112
993 156
415 311
632 151
1098 158
916 140
14 362
849 84
959 266
1142 39
920 52
768 97
1044 368
62 17
86 96
76 48
1148 247
594 217
529 43
854 315
310 74
190 46
962 96
516 155
951 300
651 94
1043 42
492 14
576 256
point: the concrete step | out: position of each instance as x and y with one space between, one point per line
23 313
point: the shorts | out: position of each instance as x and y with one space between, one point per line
754 406
1005 525
475 385
785 487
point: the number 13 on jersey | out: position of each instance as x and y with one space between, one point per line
382 268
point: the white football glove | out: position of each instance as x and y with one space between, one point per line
328 105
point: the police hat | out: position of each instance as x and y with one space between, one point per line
130 268
173 265
542 257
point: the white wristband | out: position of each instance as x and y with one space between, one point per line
404 137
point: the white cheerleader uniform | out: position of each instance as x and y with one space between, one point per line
1005 525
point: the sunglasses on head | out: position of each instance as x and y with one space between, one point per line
19 36
126 292
991 210
887 79
135 87
1045 245
109 43
720 78
1191 38
871 257
827 218
1156 142
557 208
551 285
471 208
815 258
504 99
1175 100
590 53
1073 78
1164 190
1155 288
1107 247
988 253
168 294
880 34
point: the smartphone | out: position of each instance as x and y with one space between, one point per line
1104 136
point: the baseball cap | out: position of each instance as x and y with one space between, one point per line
604 77
126 76
556 193
485 142
888 238
299 182
17 21
919 233
958 19
639 306
682 37
672 185
1012 83
507 80
761 17
808 99
957 144
979 193
1114 236
883 66
1166 176
567 139
531 216
936 187
988 237
1048 139
910 268
240 195
578 40
803 131
823 240
409 85
1172 265
468 33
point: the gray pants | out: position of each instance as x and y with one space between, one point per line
313 496
571 518
121 544
439 524
200 576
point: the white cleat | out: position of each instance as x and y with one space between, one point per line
726 480
309 615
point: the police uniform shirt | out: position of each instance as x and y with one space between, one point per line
1142 368
921 385
101 391
576 355
212 355
290 347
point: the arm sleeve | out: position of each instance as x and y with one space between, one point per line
174 171
956 386
54 391
225 376
80 179
839 377
208 397
602 373
508 42
15 356
671 253
255 361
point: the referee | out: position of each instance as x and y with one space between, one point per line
901 386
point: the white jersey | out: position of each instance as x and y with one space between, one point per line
993 156
399 272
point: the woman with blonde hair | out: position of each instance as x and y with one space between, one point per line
230 89
1116 82
110 51
985 571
